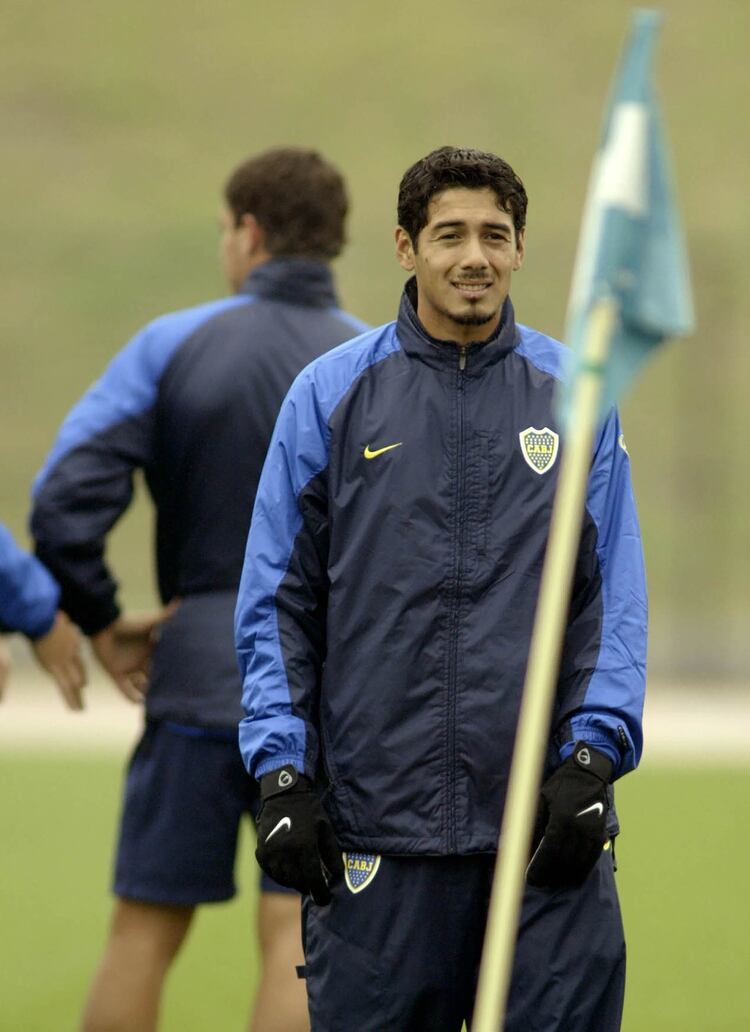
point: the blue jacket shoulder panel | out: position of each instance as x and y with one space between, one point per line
28 593
314 395
546 353
329 377
129 385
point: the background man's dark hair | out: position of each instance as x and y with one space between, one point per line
451 167
298 199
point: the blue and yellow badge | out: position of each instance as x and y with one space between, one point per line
360 869
539 448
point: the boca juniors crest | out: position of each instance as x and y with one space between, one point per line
360 869
539 448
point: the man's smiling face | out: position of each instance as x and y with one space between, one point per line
464 259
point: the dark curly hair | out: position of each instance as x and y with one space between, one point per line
298 198
450 167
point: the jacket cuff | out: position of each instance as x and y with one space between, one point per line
91 615
91 625
276 763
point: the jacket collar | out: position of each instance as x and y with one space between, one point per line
415 339
298 281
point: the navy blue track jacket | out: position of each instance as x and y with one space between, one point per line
28 594
192 400
391 576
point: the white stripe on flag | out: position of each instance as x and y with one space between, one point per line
619 179
623 176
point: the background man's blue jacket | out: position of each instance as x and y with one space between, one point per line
191 400
386 604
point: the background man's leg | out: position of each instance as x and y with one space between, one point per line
143 941
281 1003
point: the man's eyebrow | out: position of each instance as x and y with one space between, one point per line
450 224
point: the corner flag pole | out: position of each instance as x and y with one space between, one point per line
541 677
630 293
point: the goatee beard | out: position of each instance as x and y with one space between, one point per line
473 318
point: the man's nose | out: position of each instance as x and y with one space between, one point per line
473 256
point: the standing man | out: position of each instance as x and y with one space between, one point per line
383 627
192 401
29 600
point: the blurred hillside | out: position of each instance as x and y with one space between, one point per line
120 123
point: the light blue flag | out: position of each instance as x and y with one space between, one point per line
631 247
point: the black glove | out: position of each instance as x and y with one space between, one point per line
296 844
573 819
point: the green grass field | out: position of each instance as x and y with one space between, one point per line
682 860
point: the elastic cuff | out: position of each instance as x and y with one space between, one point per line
92 623
276 762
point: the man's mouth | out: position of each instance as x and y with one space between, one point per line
471 289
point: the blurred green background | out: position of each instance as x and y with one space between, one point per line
120 124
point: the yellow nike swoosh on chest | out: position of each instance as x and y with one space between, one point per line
369 454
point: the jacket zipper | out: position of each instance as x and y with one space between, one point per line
456 603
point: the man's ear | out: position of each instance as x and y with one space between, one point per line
404 250
253 235
520 250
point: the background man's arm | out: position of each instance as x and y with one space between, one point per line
86 483
85 486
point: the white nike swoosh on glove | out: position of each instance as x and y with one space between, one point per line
528 868
599 807
285 822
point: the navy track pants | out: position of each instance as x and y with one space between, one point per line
399 950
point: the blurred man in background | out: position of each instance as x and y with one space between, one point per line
383 627
192 401
29 600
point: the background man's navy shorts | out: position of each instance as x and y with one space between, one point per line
186 791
